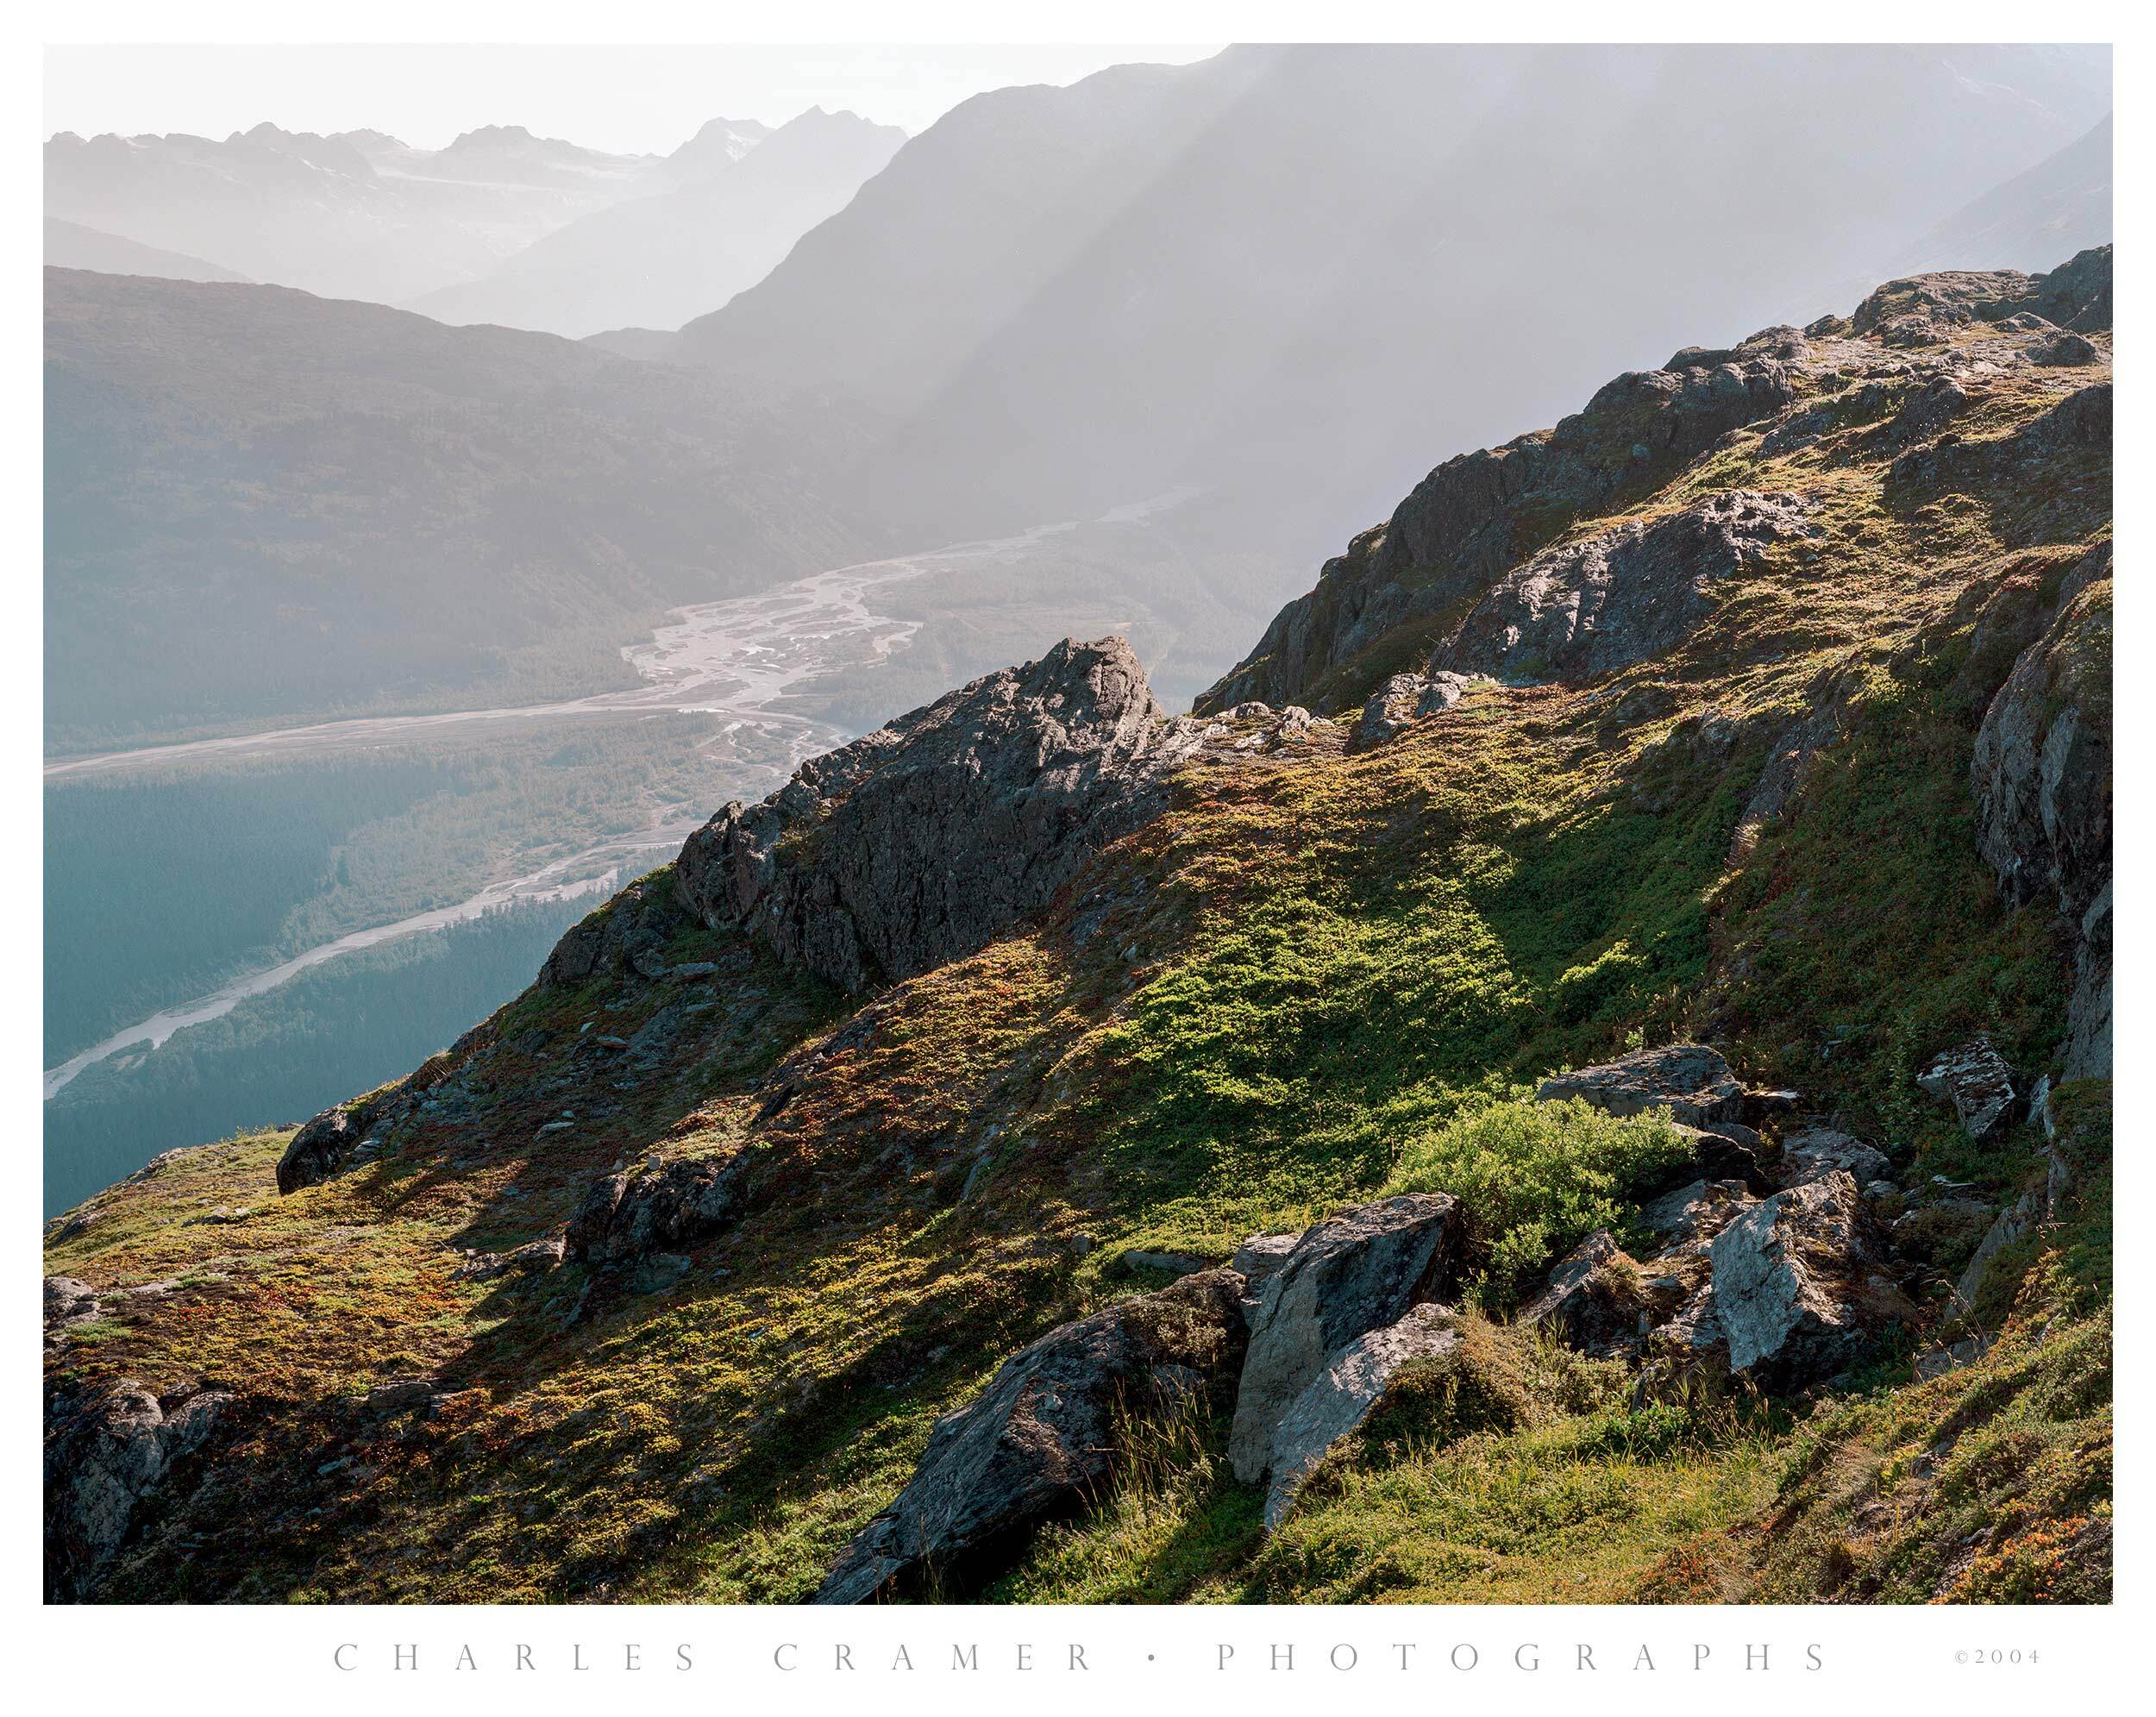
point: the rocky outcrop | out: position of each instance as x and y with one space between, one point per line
931 836
342 1137
1479 514
1409 581
1691 1082
1592 607
660 1206
1043 1437
1592 1301
629 934
2041 775
1791 1293
1404 698
1926 308
105 1458
325 1146
68 1301
1810 1152
1360 1271
1342 1396
1974 1078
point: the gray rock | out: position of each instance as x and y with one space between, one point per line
1359 1271
930 837
1175 1263
534 1257
1342 1396
1939 1360
2062 350
2041 773
626 935
1258 1258
1042 1436
105 1458
628 1216
1809 1152
68 1301
1406 698
1593 607
1975 1078
2017 1222
1692 1082
1791 1288
321 1149
1594 1300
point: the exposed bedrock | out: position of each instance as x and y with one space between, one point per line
927 839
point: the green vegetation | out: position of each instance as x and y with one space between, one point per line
1537 1178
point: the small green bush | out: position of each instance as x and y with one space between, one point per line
1535 1178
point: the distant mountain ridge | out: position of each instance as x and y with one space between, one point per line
659 260
69 245
2058 208
358 213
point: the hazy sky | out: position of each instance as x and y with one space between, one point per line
619 97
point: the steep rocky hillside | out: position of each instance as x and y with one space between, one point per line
1582 1074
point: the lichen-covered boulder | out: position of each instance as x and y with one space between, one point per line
1975 1078
1360 1271
1335 1402
1043 1436
1793 1293
1692 1082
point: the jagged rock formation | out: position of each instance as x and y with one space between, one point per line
1974 1078
1593 1300
629 935
1043 1434
2041 773
1479 514
1341 1397
1480 517
1591 607
1356 1272
922 842
105 1456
